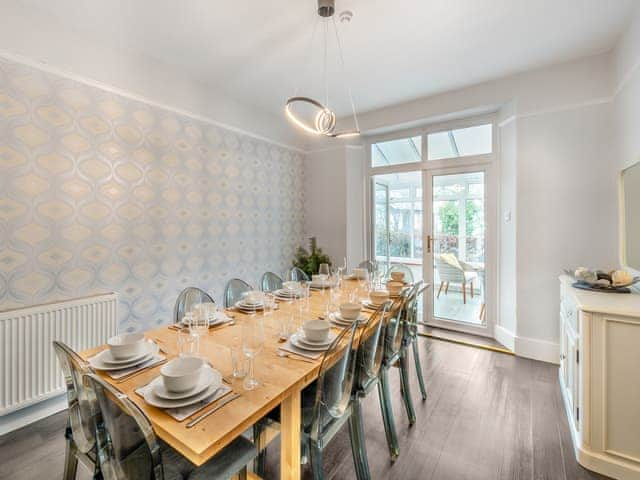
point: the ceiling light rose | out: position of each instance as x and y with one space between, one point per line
324 119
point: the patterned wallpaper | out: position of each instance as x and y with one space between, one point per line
100 193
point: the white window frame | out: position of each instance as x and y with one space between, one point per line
488 162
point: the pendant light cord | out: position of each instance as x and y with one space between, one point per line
342 64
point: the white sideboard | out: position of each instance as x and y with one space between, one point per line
600 378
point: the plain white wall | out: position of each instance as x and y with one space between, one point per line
507 214
566 210
325 201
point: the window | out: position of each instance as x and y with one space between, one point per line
462 142
396 152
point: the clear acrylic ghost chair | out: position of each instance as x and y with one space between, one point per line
391 357
187 298
270 282
234 291
406 326
401 267
79 433
129 450
296 274
369 265
326 404
368 364
410 332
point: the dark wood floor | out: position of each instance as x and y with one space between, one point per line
488 416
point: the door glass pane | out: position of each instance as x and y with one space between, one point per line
381 220
396 152
461 142
403 237
458 206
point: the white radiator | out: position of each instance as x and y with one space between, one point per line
28 366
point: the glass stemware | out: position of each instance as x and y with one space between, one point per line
252 343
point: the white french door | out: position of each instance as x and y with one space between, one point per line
432 207
459 258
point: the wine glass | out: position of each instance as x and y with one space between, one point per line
252 343
323 269
199 325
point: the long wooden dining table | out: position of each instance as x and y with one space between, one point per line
282 380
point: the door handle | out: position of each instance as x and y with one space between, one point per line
429 243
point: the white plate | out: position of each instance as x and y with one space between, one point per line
245 306
155 401
322 284
208 377
370 304
340 318
295 340
325 343
107 357
99 363
286 293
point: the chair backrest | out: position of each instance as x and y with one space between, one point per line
187 299
234 291
411 317
296 274
371 349
401 267
395 332
368 264
80 399
270 282
127 446
335 382
448 272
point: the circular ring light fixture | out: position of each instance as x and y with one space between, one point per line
324 119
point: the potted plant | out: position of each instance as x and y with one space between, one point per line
309 261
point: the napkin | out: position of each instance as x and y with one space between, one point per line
182 413
289 347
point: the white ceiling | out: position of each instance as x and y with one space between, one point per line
396 50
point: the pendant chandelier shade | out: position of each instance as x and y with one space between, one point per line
321 119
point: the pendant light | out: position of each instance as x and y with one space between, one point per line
324 118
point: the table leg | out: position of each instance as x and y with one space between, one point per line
290 411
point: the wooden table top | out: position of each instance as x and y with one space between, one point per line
279 376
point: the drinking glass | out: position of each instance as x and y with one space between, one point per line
252 343
238 362
324 269
269 304
305 294
187 343
199 326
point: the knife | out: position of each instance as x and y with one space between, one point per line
221 404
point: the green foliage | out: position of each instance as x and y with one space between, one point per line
448 213
309 261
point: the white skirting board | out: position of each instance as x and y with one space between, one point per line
527 347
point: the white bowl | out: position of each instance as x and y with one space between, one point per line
127 345
319 278
350 311
398 276
254 297
378 297
360 273
181 374
291 286
394 287
316 330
